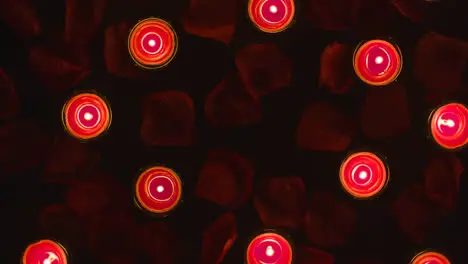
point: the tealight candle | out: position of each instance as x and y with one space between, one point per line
430 258
158 190
269 248
363 174
45 252
271 16
377 62
86 116
448 125
152 43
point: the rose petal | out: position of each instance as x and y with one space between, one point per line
385 112
20 15
230 105
9 103
23 144
336 72
225 179
417 216
69 159
324 127
442 179
263 68
211 19
328 223
280 201
168 119
439 64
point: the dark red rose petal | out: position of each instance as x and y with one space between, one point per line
225 179
168 119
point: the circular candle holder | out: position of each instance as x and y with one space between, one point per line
377 62
429 257
448 126
86 116
158 190
45 252
269 248
152 43
271 16
363 174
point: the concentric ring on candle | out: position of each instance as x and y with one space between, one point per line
363 174
158 190
86 116
269 248
448 125
271 16
429 257
45 252
377 62
152 43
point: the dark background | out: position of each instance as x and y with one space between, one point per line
199 66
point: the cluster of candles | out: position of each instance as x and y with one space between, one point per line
152 44
266 248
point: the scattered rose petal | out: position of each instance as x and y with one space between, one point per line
442 179
230 105
69 159
23 144
385 112
168 119
439 65
324 127
225 179
218 239
417 216
9 103
20 15
336 71
263 68
280 201
328 222
211 19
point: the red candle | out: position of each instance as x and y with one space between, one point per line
448 125
430 258
271 16
363 174
158 190
86 116
152 43
377 62
45 252
269 248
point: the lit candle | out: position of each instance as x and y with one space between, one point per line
86 116
271 15
429 257
269 248
377 62
152 43
363 174
448 125
45 252
158 190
